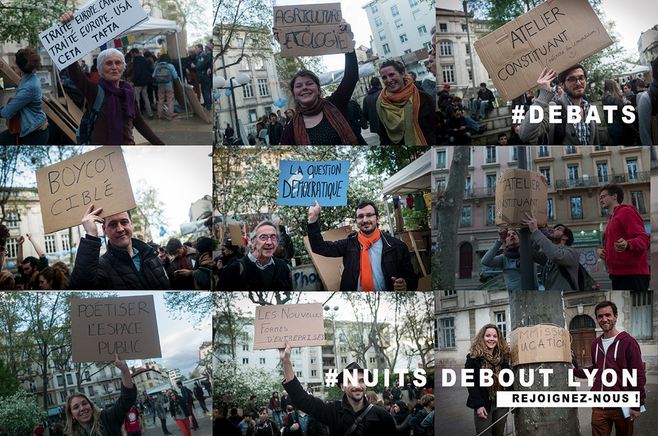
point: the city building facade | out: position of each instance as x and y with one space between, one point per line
647 45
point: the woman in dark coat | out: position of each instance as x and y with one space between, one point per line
84 418
489 350
402 418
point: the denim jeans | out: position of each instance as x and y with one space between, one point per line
38 137
471 124
478 107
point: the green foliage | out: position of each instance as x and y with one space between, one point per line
386 161
149 213
197 305
288 67
23 20
233 384
8 382
415 219
20 413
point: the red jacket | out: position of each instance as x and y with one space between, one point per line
625 222
624 352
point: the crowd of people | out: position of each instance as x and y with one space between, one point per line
400 411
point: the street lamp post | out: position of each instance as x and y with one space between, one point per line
333 325
230 85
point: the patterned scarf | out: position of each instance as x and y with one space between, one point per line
399 118
367 283
114 113
494 363
336 119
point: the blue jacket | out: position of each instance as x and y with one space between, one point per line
27 101
174 75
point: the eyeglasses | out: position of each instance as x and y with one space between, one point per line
576 79
368 215
605 195
264 238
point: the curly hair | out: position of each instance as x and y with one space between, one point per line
478 347
57 276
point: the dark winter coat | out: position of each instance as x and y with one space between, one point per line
370 108
478 395
313 426
184 283
142 70
115 269
286 242
396 261
274 132
232 280
182 404
339 415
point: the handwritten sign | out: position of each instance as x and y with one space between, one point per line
311 30
301 183
101 327
518 192
556 34
67 188
540 343
301 325
91 27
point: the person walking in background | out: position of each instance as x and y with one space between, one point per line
198 393
164 75
275 407
159 411
187 397
180 412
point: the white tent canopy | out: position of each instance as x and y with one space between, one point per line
414 177
152 28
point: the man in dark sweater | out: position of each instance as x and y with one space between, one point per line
455 128
483 102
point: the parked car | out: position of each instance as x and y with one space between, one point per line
489 273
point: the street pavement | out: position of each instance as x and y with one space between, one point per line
454 418
204 420
192 131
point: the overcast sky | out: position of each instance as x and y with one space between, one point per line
631 18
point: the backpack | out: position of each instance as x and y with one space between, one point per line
163 73
86 127
585 282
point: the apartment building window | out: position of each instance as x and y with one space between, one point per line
407 51
546 172
491 184
62 396
417 15
491 214
449 293
448 327
263 87
638 201
631 167
12 248
403 38
382 34
378 21
572 149
245 361
641 314
262 360
398 23
428 46
441 159
12 219
549 212
248 91
394 10
259 64
50 399
49 244
313 360
448 73
374 9
468 49
90 389
445 48
573 174
514 157
66 243
443 27
464 27
441 185
543 151
491 154
60 380
314 373
602 172
467 185
501 323
387 50
576 208
298 374
343 359
244 64
245 347
422 30
240 42
413 3
69 379
599 147
466 216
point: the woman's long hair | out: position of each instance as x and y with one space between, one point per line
479 348
611 89
56 276
72 425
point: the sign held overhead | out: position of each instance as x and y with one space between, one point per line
518 192
91 27
311 30
101 327
301 325
301 183
556 34
68 187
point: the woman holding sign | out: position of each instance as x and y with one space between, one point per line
84 418
120 109
489 350
318 120
27 120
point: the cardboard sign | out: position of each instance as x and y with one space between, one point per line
518 192
101 327
540 343
301 324
301 183
236 235
91 27
556 34
330 269
311 30
67 188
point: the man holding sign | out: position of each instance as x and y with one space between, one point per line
259 270
373 261
128 263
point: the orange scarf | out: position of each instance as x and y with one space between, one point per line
399 100
367 283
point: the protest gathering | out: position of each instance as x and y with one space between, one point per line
559 73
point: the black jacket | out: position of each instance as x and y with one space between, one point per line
115 269
232 279
313 426
370 108
286 242
183 407
396 261
339 415
478 395
142 70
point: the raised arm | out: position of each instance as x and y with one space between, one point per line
126 378
318 244
36 245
